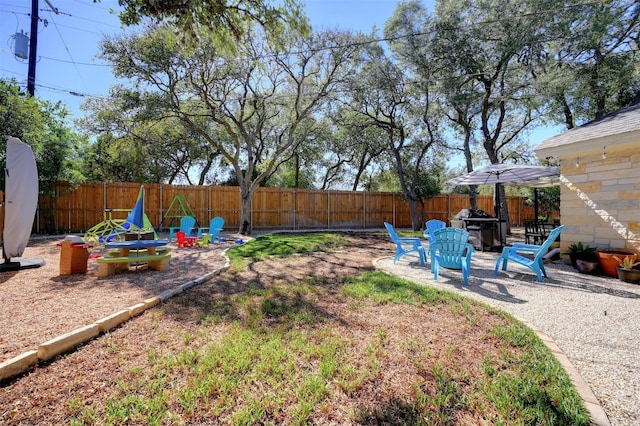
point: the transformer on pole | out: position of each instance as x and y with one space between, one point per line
21 47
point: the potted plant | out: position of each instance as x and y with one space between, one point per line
581 251
627 270
609 264
587 263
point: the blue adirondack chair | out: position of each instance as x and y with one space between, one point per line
535 253
431 226
450 248
215 227
186 225
406 245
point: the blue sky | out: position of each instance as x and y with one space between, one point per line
68 41
68 70
67 45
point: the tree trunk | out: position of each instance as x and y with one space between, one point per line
246 227
464 121
473 196
297 171
415 217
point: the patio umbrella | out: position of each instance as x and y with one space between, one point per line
511 174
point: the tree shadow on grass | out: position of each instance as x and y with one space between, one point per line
393 412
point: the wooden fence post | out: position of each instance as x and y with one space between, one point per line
328 208
364 209
161 212
393 216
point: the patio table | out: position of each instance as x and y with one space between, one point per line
126 246
144 251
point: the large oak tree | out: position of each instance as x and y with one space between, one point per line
258 96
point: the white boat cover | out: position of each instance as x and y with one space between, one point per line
21 197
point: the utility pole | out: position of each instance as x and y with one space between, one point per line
33 48
33 45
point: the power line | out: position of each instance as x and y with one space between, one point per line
13 72
53 88
88 64
77 17
71 92
84 30
67 49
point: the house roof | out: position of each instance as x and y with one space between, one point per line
610 129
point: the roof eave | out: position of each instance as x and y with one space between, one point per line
582 147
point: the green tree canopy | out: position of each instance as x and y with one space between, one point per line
228 20
260 96
43 125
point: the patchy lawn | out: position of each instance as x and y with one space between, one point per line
311 335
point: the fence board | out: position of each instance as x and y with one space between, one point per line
78 209
271 207
378 207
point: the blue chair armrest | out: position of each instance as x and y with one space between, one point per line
470 250
529 248
467 255
411 240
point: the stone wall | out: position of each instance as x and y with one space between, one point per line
600 197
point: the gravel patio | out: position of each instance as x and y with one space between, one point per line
594 320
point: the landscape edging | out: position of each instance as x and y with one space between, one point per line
20 364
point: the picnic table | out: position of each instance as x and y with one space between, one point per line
136 251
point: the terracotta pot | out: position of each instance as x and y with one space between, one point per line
609 264
629 275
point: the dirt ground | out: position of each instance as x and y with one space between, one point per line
39 304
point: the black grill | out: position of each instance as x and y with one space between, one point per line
478 213
481 231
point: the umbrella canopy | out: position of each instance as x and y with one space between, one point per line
511 174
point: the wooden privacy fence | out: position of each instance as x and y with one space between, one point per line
78 209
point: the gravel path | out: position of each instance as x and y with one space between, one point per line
595 321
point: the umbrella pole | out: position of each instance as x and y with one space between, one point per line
497 190
498 203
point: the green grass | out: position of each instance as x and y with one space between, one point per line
283 245
407 233
284 361
383 288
